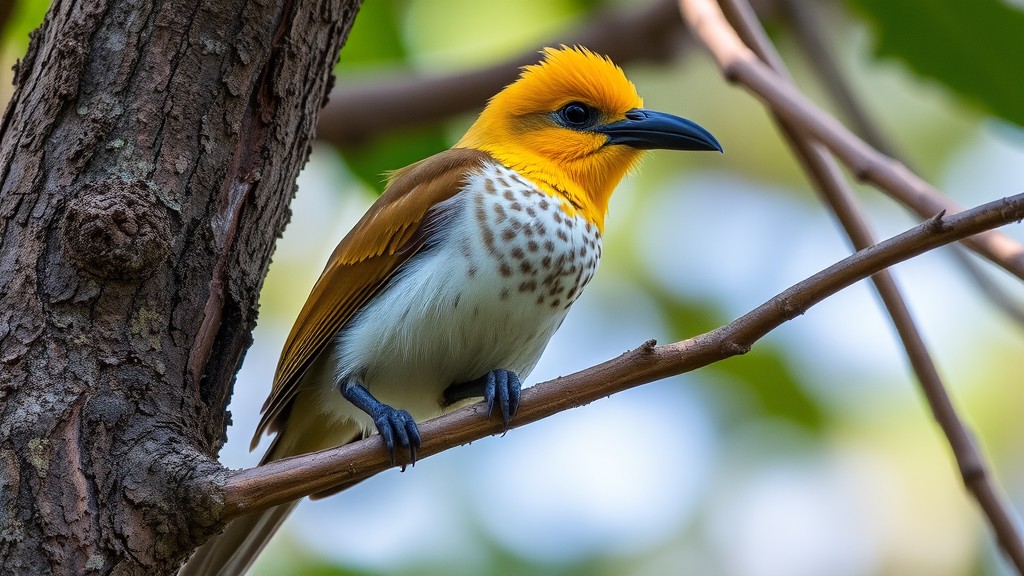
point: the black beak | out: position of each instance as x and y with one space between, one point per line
650 130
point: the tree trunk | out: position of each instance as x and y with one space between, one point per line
146 163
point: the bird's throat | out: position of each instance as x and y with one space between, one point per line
581 194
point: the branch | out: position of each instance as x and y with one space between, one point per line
810 35
825 171
804 19
740 65
281 481
358 112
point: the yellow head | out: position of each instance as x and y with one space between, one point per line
574 125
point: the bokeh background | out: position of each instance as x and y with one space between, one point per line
814 454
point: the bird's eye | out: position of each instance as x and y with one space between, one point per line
576 114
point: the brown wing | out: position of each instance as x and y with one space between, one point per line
371 253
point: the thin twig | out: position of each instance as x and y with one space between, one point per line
281 481
809 28
826 173
357 112
740 65
810 35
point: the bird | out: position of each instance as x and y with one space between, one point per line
450 286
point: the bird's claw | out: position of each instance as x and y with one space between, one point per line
502 387
397 427
498 387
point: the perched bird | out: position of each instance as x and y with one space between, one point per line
452 283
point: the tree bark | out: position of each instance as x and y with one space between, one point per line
147 160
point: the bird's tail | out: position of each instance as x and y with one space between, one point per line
233 551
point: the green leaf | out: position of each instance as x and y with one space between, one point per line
971 46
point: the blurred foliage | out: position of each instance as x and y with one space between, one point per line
377 41
372 162
971 46
763 376
498 561
26 17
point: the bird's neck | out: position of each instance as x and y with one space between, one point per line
584 190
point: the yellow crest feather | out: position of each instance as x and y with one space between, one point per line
566 74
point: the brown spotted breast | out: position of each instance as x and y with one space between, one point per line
537 253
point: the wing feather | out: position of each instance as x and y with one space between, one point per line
390 232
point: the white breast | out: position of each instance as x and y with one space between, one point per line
503 265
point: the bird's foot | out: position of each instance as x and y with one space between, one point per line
498 387
396 427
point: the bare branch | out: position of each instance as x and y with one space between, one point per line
281 481
826 173
740 65
809 34
357 112
807 24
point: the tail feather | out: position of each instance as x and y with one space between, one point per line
233 551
